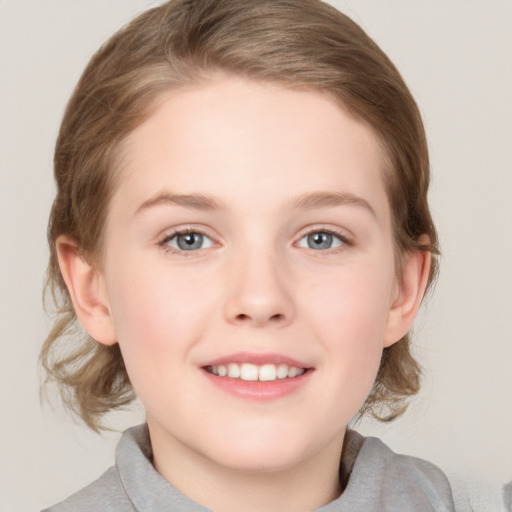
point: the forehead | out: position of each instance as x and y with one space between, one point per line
234 136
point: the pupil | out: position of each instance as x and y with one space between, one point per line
190 241
320 241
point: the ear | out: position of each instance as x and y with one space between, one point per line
87 291
410 290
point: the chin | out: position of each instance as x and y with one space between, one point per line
255 461
274 452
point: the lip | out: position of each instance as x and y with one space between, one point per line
258 390
257 359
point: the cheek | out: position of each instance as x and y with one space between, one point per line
157 317
357 300
350 314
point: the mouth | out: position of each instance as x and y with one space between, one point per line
260 377
253 373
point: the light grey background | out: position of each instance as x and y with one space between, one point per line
456 56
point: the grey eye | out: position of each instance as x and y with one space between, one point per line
320 240
190 241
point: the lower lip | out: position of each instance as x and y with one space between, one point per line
257 390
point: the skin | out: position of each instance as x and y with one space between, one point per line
256 286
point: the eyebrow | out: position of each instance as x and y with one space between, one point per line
193 201
307 201
318 200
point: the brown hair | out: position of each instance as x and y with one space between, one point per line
296 43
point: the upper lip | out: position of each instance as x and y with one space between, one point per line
256 359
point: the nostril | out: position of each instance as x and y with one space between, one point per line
243 317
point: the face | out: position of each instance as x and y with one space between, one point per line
249 272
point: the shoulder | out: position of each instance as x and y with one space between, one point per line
411 473
106 494
390 481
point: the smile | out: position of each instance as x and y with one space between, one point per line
252 373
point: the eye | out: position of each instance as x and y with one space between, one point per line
321 240
189 241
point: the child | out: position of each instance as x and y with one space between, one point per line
241 227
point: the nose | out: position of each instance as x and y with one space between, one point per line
259 292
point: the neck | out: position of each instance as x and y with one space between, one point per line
303 487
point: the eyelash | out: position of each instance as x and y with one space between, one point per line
342 236
164 242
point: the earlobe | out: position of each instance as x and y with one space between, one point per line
86 289
411 288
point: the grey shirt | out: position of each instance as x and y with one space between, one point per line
507 496
375 480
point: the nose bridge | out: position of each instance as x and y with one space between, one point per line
259 288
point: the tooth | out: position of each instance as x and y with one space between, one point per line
248 372
282 371
293 371
268 372
233 370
